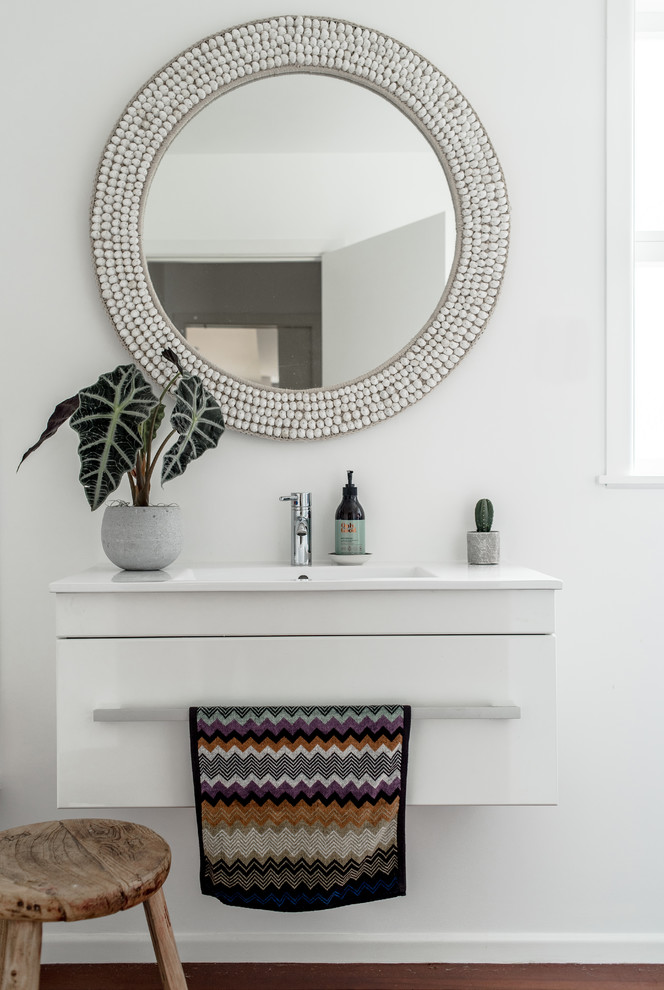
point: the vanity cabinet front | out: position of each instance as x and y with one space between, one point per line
484 724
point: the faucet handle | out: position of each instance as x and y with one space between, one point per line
299 500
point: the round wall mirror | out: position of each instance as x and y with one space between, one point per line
311 215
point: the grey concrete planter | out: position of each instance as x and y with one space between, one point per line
483 548
142 538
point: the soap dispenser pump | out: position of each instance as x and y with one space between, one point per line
349 522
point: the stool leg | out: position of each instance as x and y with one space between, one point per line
163 940
3 942
20 964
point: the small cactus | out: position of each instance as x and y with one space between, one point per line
484 515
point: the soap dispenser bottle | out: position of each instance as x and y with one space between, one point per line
349 522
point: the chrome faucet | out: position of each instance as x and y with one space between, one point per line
300 527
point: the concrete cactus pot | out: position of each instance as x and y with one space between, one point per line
142 538
483 548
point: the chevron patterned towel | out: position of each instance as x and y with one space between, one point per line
301 809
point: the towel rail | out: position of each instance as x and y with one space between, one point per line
436 712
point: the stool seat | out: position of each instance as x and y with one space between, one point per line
73 870
78 869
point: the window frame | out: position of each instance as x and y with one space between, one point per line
620 249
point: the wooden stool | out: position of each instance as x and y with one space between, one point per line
76 869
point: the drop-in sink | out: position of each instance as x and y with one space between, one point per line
324 572
272 576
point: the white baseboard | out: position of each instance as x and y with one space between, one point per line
398 947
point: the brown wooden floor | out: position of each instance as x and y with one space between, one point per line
255 976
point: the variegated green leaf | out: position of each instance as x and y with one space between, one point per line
151 425
197 418
108 422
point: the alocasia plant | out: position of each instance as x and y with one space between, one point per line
117 420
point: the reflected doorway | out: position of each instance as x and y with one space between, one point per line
256 320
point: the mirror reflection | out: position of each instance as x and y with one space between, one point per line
300 231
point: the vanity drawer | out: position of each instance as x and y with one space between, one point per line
464 761
304 610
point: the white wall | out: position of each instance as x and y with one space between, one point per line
521 420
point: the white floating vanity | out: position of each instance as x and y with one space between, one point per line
472 649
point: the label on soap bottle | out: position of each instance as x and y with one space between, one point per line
349 536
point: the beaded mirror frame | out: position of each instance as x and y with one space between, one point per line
294 44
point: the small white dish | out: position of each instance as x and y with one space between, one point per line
349 559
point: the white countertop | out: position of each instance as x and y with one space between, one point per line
322 576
